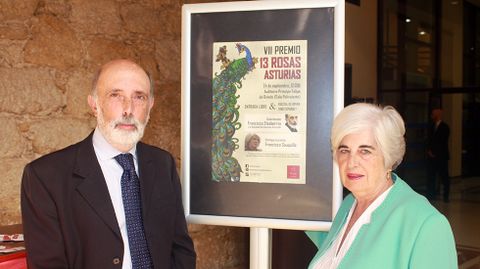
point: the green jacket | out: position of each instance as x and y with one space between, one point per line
405 231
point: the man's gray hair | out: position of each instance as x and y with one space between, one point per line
97 75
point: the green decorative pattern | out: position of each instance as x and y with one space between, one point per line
225 116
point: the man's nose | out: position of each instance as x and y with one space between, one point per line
127 106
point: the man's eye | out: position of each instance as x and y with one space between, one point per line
140 97
114 94
343 151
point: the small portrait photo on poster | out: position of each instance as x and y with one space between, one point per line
291 122
252 142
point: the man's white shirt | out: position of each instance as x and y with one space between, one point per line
112 172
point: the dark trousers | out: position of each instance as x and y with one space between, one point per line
440 168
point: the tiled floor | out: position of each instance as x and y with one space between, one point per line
463 212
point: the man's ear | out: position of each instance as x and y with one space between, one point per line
152 101
92 104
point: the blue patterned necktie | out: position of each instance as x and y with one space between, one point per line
133 213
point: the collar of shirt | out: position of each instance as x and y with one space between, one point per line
105 151
367 215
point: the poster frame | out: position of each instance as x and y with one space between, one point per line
189 10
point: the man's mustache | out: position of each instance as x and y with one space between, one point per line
126 120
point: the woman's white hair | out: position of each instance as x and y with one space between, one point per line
387 126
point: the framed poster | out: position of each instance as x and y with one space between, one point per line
261 83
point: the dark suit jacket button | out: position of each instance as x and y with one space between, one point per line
116 261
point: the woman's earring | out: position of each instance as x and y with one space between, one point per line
389 175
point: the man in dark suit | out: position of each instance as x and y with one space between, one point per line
438 155
86 207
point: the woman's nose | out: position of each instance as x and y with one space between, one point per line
352 160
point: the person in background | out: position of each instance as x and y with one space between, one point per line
383 223
438 156
108 201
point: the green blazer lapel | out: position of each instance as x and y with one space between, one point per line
341 217
337 225
338 222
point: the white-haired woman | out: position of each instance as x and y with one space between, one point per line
383 223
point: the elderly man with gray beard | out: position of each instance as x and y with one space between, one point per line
108 201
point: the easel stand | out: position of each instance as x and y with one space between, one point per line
260 248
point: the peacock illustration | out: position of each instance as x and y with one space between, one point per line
225 112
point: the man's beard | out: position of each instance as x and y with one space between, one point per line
118 136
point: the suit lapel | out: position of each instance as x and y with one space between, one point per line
146 167
342 215
93 188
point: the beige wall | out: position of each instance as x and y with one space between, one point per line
48 52
361 47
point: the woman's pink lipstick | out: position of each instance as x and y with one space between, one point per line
353 176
